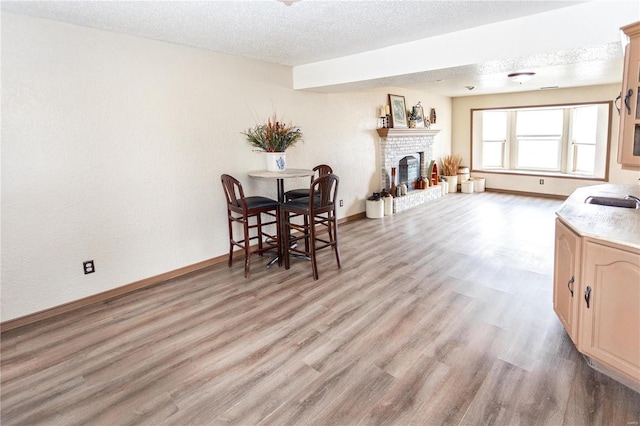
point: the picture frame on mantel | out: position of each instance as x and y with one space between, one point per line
398 111
421 121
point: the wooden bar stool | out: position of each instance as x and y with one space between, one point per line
319 211
242 210
319 170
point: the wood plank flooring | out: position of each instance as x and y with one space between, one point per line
440 315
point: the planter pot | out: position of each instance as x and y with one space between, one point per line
375 209
444 187
478 184
388 205
276 161
467 187
453 183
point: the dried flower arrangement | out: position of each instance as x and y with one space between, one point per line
274 135
450 165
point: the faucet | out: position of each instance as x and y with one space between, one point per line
634 198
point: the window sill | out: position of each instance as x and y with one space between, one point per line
541 174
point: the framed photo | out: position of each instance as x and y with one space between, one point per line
398 111
419 112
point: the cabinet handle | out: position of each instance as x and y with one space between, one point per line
569 285
615 103
587 295
626 101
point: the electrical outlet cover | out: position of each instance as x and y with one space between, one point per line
89 267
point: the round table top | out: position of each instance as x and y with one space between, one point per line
287 173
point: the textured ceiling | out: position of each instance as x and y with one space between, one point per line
307 31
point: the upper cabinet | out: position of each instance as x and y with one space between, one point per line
629 134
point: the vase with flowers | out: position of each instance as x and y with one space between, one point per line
450 165
273 138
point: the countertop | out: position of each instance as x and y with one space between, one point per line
614 224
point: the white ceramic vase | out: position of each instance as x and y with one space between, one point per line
444 188
276 161
388 205
453 183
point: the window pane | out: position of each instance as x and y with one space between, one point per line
585 158
585 125
492 154
538 154
494 125
539 122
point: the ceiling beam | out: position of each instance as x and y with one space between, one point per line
576 27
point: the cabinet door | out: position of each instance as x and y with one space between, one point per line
610 318
629 137
565 276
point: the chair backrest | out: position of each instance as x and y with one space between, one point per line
323 193
321 170
233 192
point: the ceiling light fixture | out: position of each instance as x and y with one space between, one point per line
288 2
521 77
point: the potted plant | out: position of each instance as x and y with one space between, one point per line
450 165
273 138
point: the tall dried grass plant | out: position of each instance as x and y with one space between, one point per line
450 165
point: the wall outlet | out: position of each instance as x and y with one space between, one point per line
341 203
88 267
541 181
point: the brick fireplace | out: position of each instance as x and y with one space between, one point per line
408 146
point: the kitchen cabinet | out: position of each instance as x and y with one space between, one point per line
610 307
566 278
629 131
596 293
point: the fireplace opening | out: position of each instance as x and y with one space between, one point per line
409 171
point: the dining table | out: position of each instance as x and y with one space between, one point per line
280 177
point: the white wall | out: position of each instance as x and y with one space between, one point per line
113 146
461 137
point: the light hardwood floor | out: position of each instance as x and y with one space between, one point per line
440 315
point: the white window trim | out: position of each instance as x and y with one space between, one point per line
567 157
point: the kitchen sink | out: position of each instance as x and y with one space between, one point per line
628 202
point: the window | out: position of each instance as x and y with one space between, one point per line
494 138
560 140
538 139
583 139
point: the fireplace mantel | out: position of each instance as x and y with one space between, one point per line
403 133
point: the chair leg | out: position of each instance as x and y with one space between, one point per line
230 261
259 223
281 239
306 226
334 239
247 248
285 240
312 246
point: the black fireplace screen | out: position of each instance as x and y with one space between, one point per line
409 171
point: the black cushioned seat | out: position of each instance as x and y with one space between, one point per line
258 202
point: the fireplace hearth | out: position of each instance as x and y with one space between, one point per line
410 151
